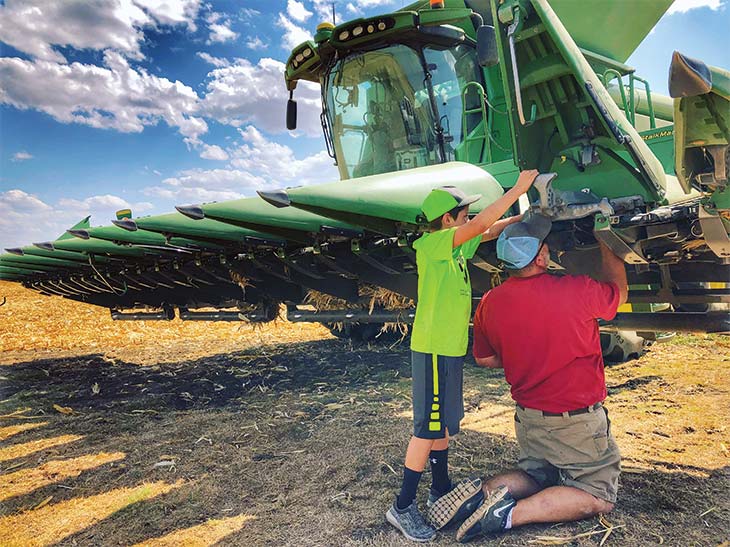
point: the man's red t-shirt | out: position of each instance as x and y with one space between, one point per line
544 329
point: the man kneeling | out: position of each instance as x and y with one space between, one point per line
542 330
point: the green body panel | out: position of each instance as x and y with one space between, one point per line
661 143
19 267
146 237
41 261
256 214
382 202
11 277
567 96
97 247
81 225
30 250
613 28
179 225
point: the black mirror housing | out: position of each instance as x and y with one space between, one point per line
487 46
291 114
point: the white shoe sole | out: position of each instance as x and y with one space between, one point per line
447 506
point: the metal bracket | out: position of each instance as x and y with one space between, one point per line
715 234
603 231
563 205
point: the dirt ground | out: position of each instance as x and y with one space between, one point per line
200 434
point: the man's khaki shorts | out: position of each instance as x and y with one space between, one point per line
564 450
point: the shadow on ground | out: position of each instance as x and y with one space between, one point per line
302 443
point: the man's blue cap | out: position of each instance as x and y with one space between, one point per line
519 243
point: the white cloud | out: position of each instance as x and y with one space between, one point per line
25 219
102 203
21 156
205 185
352 8
220 29
215 61
297 11
324 7
256 43
249 13
175 12
246 93
116 96
293 34
683 6
255 164
213 152
277 163
36 26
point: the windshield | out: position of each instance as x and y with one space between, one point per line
381 113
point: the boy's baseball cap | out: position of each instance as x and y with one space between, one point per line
443 199
519 243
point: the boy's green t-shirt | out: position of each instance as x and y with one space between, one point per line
442 318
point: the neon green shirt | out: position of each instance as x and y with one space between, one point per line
442 318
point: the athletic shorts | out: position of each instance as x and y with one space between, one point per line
438 400
576 451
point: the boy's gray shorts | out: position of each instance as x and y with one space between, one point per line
438 400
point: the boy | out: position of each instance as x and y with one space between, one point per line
439 338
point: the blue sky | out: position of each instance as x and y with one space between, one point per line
152 103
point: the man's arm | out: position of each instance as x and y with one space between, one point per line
489 362
613 270
489 215
498 227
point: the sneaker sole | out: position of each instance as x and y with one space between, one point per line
448 505
462 534
392 520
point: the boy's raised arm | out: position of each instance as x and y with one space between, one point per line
489 215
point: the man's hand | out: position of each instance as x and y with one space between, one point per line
525 180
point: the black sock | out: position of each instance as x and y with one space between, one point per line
440 470
408 488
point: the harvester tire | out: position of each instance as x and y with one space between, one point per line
621 346
363 332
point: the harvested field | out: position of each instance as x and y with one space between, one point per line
200 433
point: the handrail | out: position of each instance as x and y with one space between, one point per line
652 118
486 120
629 105
511 31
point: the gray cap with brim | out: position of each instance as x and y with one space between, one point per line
519 243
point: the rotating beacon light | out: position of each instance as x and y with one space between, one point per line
437 4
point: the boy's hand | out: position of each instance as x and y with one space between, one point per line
525 180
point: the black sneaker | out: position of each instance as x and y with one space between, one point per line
410 522
456 505
490 518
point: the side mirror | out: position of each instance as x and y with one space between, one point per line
291 114
487 46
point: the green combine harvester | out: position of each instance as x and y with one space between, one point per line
460 92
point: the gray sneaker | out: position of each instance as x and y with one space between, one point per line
410 522
490 518
457 504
